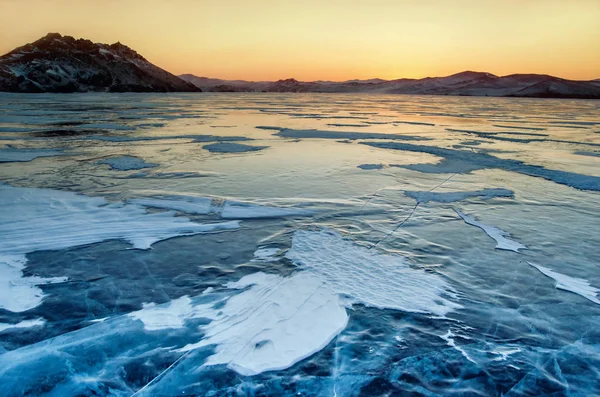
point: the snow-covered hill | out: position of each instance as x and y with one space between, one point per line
465 83
58 63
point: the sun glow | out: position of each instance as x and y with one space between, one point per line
332 40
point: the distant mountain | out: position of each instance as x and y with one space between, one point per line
58 63
465 83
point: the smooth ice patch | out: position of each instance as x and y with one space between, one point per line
275 323
501 237
38 322
449 197
578 286
370 166
370 278
42 219
232 147
127 163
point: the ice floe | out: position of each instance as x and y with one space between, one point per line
501 237
41 219
576 285
449 197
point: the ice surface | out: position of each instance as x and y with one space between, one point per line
501 237
370 278
41 219
11 154
449 197
127 163
578 286
424 314
232 147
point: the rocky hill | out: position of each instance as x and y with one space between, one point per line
58 63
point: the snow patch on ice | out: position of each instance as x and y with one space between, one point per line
265 254
171 315
578 286
42 219
371 278
501 237
275 323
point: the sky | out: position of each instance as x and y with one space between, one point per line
328 39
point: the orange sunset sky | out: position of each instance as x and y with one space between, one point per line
328 39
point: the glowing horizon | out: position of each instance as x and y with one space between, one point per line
339 40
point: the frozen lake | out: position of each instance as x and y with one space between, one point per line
298 244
